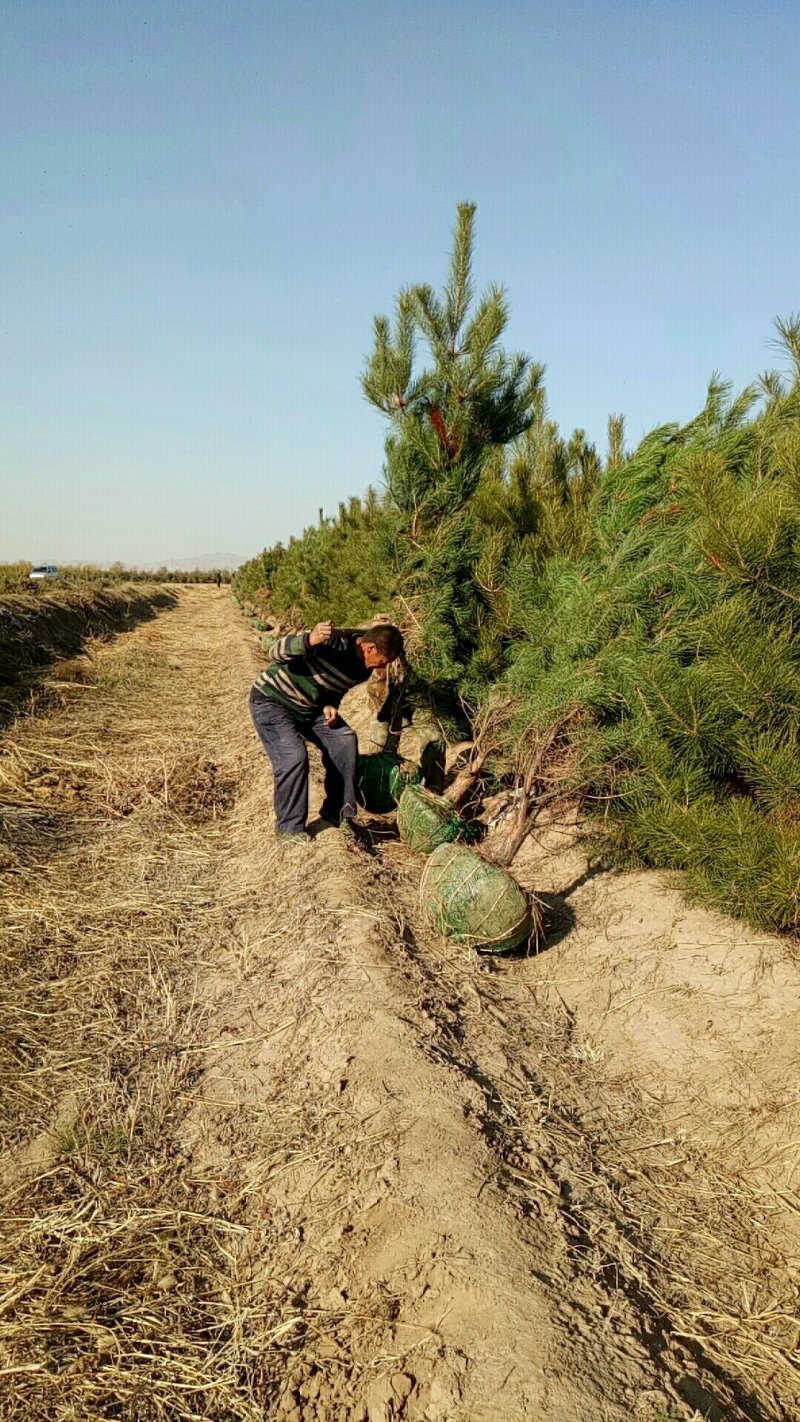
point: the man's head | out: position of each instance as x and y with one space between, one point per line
380 645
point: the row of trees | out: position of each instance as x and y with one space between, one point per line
624 628
340 568
15 577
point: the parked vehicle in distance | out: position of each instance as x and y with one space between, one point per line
45 570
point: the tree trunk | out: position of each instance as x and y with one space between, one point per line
458 790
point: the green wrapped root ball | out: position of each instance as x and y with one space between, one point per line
425 820
375 784
474 902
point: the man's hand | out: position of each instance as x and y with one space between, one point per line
321 633
331 715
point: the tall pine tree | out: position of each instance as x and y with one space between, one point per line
447 421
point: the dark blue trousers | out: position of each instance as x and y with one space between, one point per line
283 736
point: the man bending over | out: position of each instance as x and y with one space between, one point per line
297 700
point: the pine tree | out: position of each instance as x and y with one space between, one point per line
674 645
533 504
447 422
334 570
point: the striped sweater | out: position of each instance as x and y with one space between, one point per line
305 678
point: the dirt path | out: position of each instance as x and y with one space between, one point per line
645 1063
272 1149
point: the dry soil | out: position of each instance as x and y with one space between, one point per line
274 1149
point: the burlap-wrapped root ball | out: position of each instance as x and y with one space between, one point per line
425 820
474 902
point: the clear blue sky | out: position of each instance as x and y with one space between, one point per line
205 204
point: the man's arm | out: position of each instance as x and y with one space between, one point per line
293 645
296 644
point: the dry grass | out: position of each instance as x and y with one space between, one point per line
38 628
691 1236
121 1291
